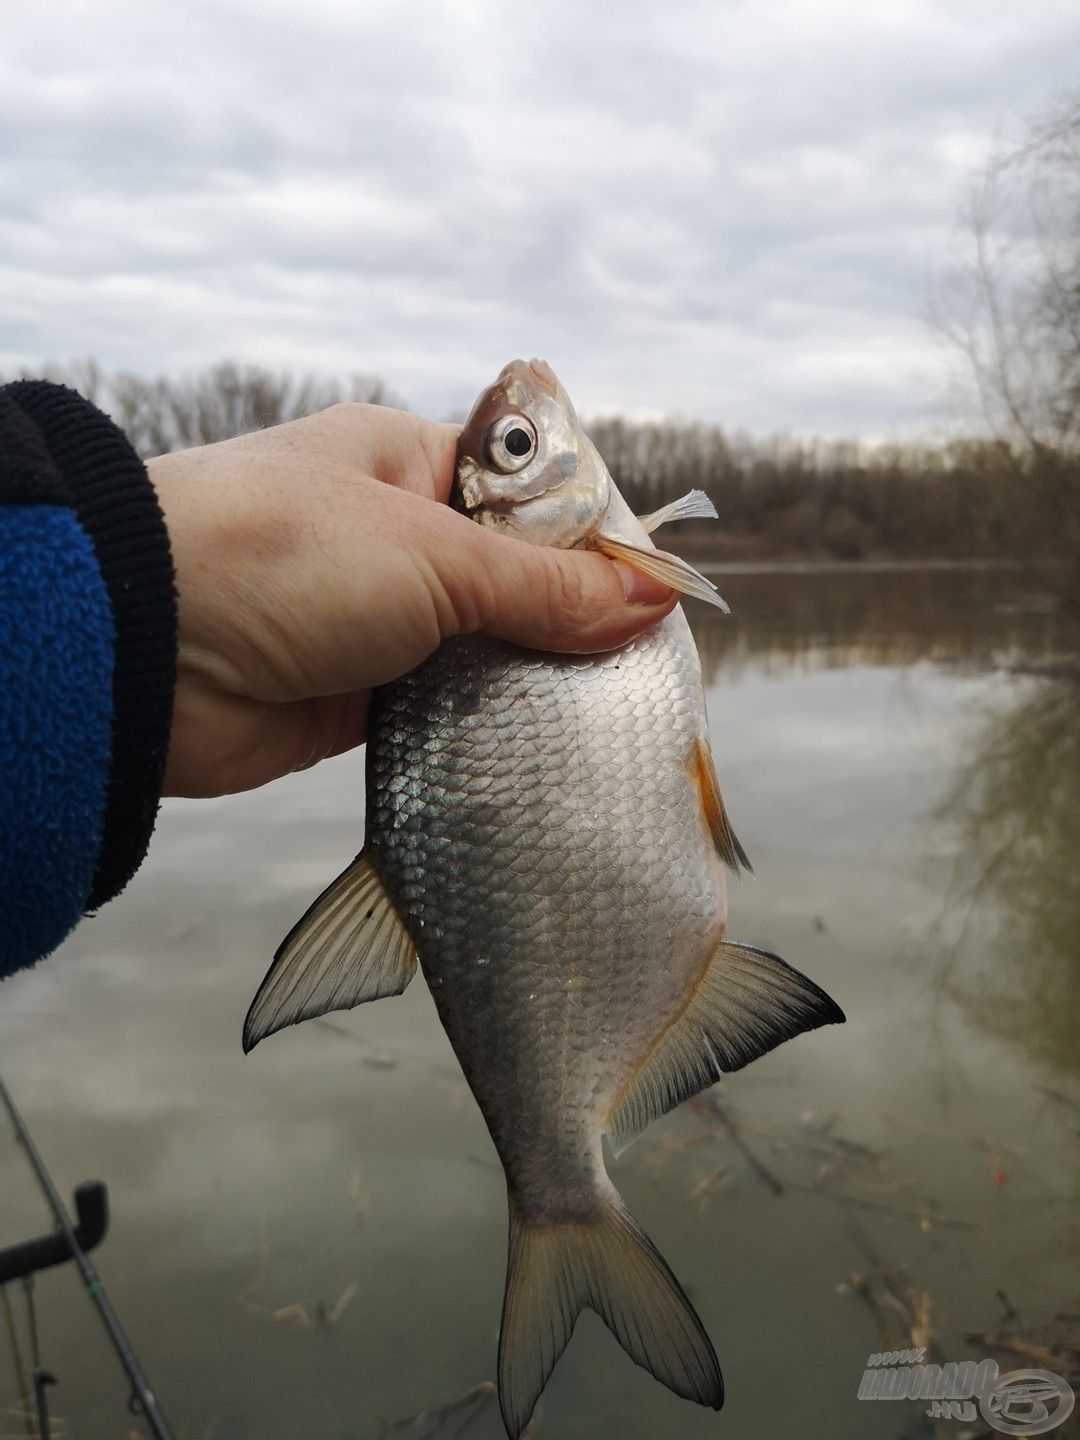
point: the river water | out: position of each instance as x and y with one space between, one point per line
310 1241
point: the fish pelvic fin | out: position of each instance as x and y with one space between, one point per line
694 505
669 569
746 1003
607 1263
350 946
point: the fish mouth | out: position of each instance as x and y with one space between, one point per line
530 372
498 512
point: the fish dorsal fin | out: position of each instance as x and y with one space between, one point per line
694 505
703 774
746 1003
349 947
661 565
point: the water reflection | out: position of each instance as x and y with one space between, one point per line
1016 810
806 619
311 1240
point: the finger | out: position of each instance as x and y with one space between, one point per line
222 744
415 454
535 595
396 447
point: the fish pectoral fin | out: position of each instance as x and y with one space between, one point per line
661 565
350 946
605 1262
694 505
746 1003
703 773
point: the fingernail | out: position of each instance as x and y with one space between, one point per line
639 588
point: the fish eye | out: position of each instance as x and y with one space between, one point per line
511 443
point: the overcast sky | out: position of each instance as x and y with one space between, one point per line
723 210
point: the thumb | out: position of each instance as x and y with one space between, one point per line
547 599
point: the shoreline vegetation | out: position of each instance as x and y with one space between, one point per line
785 499
778 498
1006 301
782 502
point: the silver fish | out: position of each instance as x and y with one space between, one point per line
545 833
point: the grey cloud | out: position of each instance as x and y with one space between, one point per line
722 210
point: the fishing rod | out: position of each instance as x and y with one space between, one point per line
140 1386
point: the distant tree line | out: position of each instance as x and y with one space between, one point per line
160 414
812 498
776 498
1010 304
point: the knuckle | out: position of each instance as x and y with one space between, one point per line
567 593
350 412
459 579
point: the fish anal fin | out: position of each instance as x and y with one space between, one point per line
669 569
607 1263
350 946
746 1003
703 773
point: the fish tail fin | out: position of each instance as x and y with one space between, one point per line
606 1262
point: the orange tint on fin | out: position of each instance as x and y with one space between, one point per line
703 774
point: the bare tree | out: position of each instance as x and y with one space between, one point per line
159 414
1010 303
778 496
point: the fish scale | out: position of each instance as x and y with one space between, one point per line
546 836
538 826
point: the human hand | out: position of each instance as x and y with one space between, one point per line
313 563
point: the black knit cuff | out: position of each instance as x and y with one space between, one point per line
118 508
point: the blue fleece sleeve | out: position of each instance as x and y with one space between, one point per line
56 671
